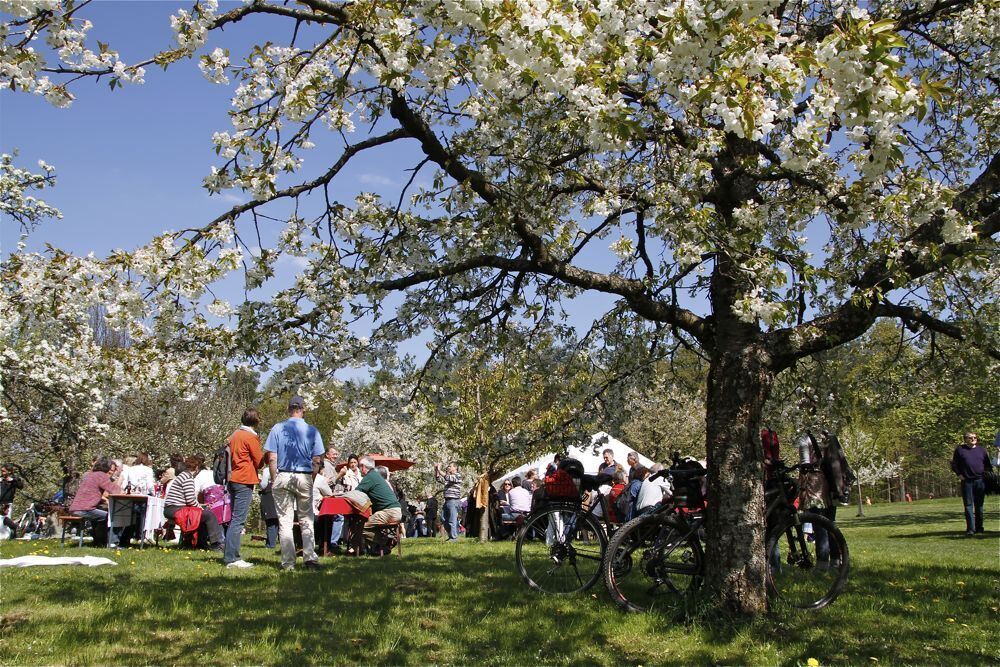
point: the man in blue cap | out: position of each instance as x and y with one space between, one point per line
294 451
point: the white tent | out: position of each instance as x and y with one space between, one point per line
588 455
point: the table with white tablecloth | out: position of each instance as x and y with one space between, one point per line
122 513
154 518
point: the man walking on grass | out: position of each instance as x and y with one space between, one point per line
969 462
294 455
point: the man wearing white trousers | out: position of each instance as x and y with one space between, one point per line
294 451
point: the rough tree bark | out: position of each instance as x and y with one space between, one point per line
739 382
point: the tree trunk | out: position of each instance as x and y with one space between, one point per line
484 524
861 501
739 382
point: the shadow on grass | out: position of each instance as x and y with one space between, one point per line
398 611
885 614
908 518
462 605
947 535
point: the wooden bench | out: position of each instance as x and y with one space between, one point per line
68 520
387 530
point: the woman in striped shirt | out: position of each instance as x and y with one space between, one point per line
182 493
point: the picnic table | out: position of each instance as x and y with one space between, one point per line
336 506
121 513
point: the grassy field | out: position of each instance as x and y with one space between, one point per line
920 593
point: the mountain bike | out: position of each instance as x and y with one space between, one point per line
656 561
561 546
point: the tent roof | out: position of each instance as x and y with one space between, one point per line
589 455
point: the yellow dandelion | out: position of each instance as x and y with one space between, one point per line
812 662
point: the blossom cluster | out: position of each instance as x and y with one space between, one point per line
23 67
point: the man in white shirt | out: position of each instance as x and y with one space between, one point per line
651 493
520 498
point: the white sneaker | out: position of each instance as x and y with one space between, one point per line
239 565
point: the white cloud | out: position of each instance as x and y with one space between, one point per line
375 179
294 260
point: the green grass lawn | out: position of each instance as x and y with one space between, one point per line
919 593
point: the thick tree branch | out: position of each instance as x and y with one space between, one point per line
979 203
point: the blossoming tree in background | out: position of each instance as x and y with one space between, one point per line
78 339
770 178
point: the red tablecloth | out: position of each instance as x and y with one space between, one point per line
333 505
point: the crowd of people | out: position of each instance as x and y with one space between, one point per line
292 472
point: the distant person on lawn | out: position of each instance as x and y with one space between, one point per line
608 465
431 515
9 484
519 498
969 462
247 457
294 456
452 481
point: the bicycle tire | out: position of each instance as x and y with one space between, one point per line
563 560
27 520
669 568
802 578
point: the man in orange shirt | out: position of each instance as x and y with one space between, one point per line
247 457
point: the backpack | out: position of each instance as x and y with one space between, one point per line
625 504
835 467
222 465
218 502
560 484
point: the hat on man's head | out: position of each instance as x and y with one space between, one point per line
296 403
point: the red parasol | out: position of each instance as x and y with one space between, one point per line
390 462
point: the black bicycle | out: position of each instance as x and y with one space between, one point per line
656 561
561 546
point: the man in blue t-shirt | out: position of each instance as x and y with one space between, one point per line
294 451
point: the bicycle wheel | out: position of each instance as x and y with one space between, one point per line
812 570
559 550
653 562
26 524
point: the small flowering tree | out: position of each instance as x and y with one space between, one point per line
498 406
804 167
78 337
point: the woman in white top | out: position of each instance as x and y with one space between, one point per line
138 476
350 475
205 477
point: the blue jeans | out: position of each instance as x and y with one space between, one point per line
242 496
336 528
272 533
99 518
973 495
451 507
826 550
